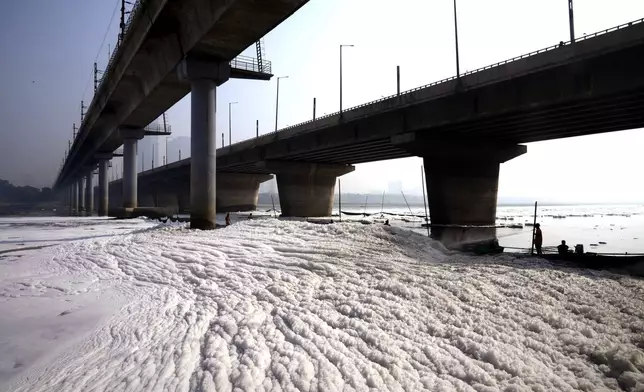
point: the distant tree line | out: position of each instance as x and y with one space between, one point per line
23 194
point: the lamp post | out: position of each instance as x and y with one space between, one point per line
342 46
458 71
571 20
230 128
277 99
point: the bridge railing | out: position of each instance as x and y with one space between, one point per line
134 13
247 63
523 56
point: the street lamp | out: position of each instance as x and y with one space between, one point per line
230 132
342 46
277 99
458 71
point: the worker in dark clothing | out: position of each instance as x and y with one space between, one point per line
563 248
538 238
228 219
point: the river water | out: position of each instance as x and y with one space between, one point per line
619 228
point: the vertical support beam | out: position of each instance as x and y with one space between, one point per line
204 78
130 139
81 196
203 146
103 191
314 107
89 192
306 189
238 191
129 173
462 182
74 196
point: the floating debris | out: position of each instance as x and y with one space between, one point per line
602 243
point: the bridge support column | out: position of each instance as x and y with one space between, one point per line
182 190
74 198
306 189
103 191
204 77
238 191
89 193
164 195
130 139
81 196
462 184
115 198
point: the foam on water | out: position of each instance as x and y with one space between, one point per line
284 305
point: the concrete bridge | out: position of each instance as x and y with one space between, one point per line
168 49
463 127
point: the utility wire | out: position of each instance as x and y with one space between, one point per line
100 49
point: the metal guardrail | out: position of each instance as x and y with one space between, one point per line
250 64
156 127
134 13
549 48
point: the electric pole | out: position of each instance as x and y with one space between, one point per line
122 24
83 107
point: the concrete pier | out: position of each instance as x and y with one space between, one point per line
238 191
89 193
183 197
306 189
130 139
204 77
74 198
80 189
103 192
115 198
462 184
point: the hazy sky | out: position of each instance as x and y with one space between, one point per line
49 48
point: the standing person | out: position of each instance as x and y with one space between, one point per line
538 238
228 219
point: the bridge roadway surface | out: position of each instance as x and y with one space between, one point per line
141 82
591 86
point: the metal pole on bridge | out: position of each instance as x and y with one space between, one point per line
572 22
314 103
277 99
230 128
256 128
398 79
458 70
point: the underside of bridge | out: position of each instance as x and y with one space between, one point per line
463 128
